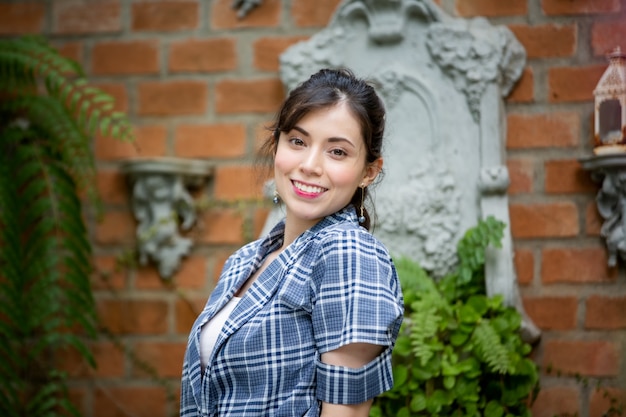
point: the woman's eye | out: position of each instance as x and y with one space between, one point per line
296 141
338 152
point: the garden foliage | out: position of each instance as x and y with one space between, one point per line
459 352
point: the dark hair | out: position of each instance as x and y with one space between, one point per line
326 88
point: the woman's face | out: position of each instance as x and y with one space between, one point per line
320 163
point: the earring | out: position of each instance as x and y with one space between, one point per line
362 216
276 198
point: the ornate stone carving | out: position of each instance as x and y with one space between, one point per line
474 60
420 218
610 170
162 205
386 19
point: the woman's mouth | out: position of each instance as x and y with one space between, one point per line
307 190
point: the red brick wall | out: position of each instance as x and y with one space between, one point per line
198 82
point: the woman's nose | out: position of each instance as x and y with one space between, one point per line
311 163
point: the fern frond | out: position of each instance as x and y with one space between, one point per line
425 324
487 346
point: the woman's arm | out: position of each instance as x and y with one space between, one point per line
354 355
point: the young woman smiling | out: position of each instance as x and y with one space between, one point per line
303 321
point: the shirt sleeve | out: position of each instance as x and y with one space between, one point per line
357 299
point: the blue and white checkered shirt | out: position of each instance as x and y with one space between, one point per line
334 285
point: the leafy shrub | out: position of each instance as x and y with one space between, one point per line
459 352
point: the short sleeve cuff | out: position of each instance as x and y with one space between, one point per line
343 385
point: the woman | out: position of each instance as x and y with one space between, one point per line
302 322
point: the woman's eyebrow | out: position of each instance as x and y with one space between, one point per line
301 130
336 139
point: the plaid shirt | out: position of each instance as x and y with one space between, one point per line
334 285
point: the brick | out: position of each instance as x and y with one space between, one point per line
524 89
165 358
524 262
521 173
71 50
118 92
77 397
136 317
237 182
605 36
533 39
165 16
605 312
116 227
125 58
150 140
203 55
580 265
584 357
491 8
112 186
556 401
259 218
567 176
187 310
544 220
22 18
605 399
593 220
249 96
107 274
306 13
266 15
109 360
147 277
267 51
210 141
138 401
573 84
168 98
86 16
572 7
222 226
190 274
193 273
552 313
556 129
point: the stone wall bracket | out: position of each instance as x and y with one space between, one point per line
163 206
610 171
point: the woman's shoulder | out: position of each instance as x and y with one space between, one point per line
349 236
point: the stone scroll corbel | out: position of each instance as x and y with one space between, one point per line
163 206
610 171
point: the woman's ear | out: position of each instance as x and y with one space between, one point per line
372 170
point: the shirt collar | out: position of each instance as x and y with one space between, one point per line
276 234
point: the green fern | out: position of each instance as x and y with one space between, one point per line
488 347
48 114
421 335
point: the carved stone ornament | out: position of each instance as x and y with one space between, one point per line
443 80
610 171
163 206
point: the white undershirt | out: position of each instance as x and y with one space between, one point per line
211 330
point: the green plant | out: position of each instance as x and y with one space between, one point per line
459 352
48 114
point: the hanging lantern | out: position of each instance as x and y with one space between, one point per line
610 107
